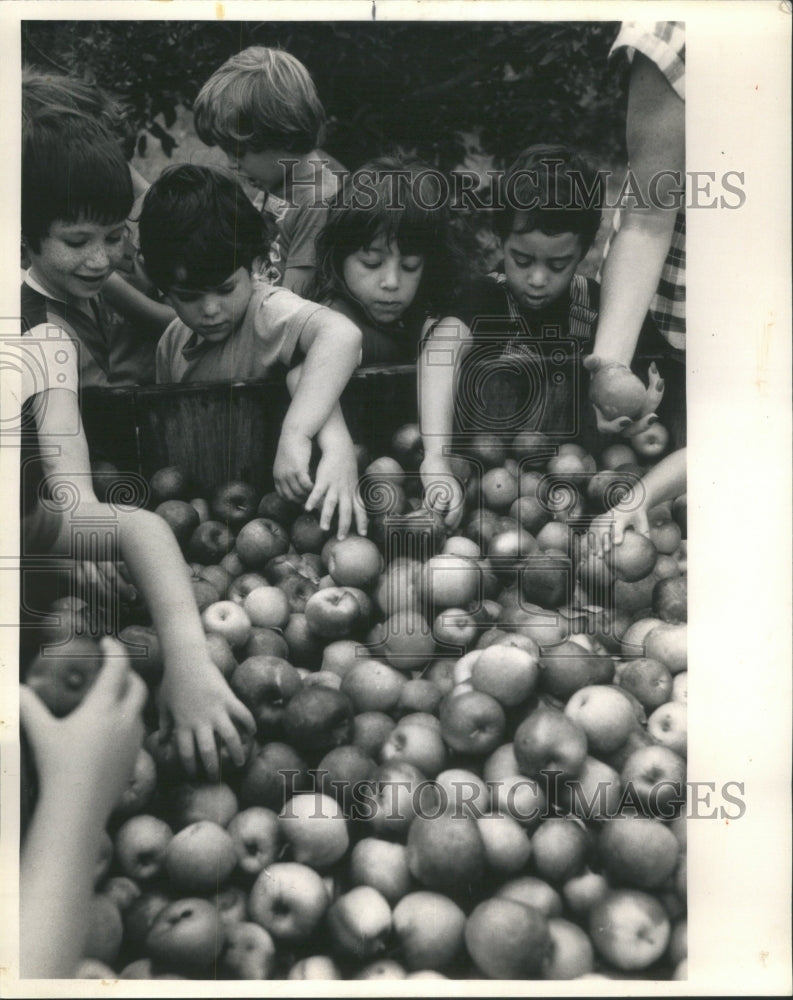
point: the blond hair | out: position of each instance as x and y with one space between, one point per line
260 99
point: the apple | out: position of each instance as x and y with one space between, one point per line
407 446
231 904
629 929
140 846
274 507
507 846
651 442
200 857
299 589
335 612
303 647
463 793
169 483
668 643
634 557
209 543
318 719
372 686
657 777
273 773
204 593
342 772
144 651
217 576
415 744
680 687
383 865
546 628
668 725
440 673
187 935
314 826
267 607
451 581
140 788
234 504
487 448
594 793
290 564
455 627
548 740
105 930
306 535
384 968
533 892
400 792
355 562
648 680
472 722
507 673
61 675
359 923
140 916
264 642
255 835
315 967
405 641
398 588
428 930
249 952
446 852
261 540
605 714
201 507
670 599
568 667
499 488
507 549
228 620
181 517
189 803
370 730
559 848
233 565
571 954
92 968
417 697
462 547
582 892
638 851
507 940
511 792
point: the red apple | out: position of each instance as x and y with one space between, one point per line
318 719
355 562
306 535
187 935
169 483
548 741
259 541
335 612
273 507
472 722
209 543
404 640
274 772
372 686
234 504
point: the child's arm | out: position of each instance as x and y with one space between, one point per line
664 481
656 146
83 763
438 364
149 316
332 347
195 699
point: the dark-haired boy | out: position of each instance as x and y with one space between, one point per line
76 196
201 238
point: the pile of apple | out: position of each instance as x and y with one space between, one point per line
470 756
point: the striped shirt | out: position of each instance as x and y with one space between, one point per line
664 42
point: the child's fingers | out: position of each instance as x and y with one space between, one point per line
361 518
228 732
186 746
345 516
208 751
134 699
328 509
33 714
241 714
314 497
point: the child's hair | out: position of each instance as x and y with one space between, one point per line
403 199
546 189
72 169
197 227
56 93
260 99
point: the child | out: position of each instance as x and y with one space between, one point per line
76 196
262 109
83 763
385 257
74 201
200 239
486 378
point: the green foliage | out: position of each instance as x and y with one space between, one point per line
418 85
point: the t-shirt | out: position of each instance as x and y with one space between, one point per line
269 333
523 371
393 345
301 217
664 43
110 353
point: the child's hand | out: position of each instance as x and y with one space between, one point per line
90 753
197 705
621 403
290 469
337 482
618 521
443 491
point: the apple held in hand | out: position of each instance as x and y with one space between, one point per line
61 675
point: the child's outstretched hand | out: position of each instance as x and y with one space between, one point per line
88 755
196 705
443 491
621 402
335 487
609 529
290 469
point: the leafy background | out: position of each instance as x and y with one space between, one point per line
469 94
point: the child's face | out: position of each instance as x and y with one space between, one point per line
382 280
213 314
539 268
264 170
75 259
